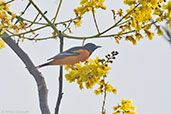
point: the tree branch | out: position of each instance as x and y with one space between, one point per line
41 84
48 21
94 18
104 98
60 93
119 20
59 6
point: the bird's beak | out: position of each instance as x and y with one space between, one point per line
98 47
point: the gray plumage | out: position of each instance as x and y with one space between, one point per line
89 46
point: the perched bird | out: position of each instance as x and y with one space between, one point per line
72 55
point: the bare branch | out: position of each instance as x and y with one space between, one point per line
48 21
41 84
60 93
94 18
59 6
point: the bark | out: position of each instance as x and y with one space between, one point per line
60 93
41 84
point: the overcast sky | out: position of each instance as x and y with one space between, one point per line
140 73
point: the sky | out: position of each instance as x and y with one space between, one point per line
140 73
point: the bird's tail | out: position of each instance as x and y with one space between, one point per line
42 65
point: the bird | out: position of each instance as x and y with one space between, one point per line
72 55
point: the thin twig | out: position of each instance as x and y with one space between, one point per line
83 42
33 30
59 6
67 27
104 98
118 21
124 22
76 37
26 8
101 36
48 21
38 39
94 18
39 23
33 21
7 2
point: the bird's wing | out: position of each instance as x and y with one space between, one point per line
64 54
69 52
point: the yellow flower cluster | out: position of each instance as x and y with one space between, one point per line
89 5
126 107
159 31
130 2
89 73
6 19
149 34
168 14
78 22
2 44
151 2
131 38
138 36
138 18
142 13
105 87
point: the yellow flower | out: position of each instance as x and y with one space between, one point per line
133 107
130 2
3 30
89 5
160 18
22 40
153 2
110 88
22 25
97 92
126 107
161 1
168 14
115 113
157 11
114 91
89 73
3 14
78 22
117 40
13 16
7 17
159 31
4 7
17 30
104 87
131 38
135 24
167 6
141 14
138 36
120 13
116 107
83 2
149 34
2 44
148 26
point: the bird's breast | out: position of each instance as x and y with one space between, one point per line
71 60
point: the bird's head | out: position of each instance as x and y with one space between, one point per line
91 47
